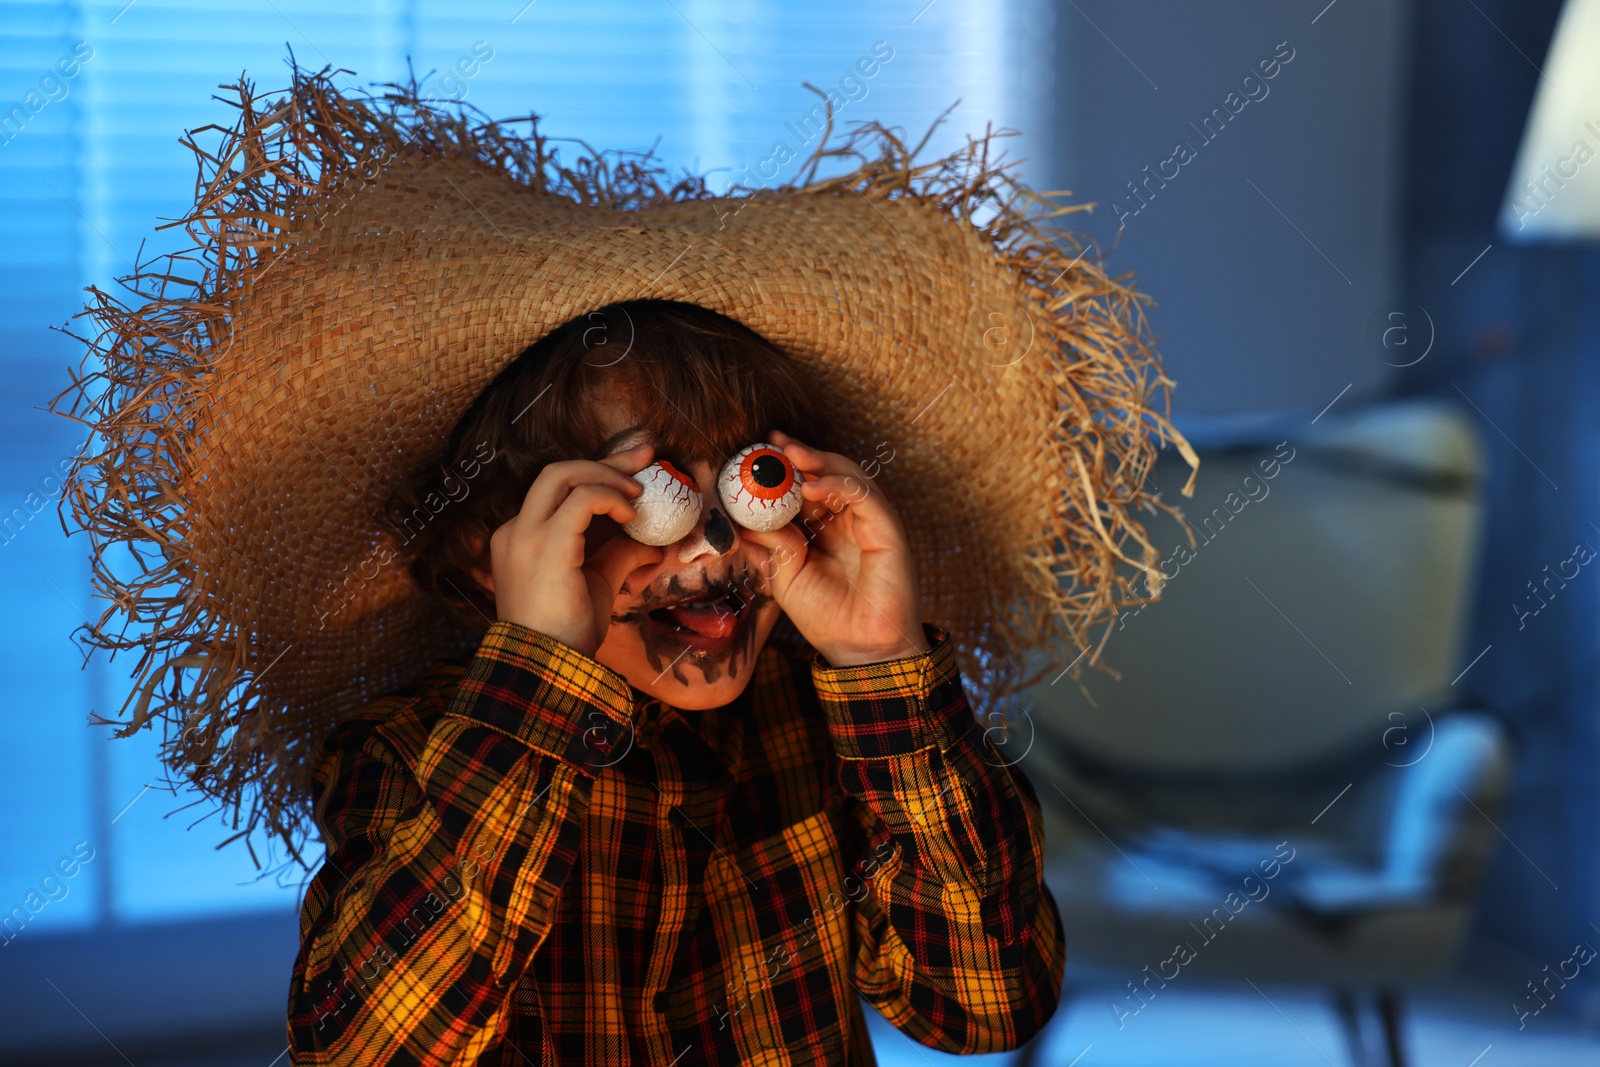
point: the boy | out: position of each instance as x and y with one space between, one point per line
586 799
628 830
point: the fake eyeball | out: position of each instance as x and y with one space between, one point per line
760 488
667 509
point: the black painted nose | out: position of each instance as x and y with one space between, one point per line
719 531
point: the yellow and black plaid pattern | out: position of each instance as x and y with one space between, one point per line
530 862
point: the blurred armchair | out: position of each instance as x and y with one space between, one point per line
1285 785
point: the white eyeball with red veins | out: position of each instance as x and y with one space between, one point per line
667 509
760 488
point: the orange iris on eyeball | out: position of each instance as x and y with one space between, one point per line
760 488
766 474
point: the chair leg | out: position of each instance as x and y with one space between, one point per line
1389 1011
1344 1005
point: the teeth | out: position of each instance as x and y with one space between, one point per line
718 602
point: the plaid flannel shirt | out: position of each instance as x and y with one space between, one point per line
530 862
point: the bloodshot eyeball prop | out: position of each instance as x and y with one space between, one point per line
667 509
760 488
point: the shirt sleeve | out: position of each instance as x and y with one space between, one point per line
447 846
958 941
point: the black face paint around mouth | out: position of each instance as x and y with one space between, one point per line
665 650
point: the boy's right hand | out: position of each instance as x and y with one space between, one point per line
541 578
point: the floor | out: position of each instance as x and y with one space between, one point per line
1193 1028
1275 1028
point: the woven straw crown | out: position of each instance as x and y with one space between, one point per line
363 266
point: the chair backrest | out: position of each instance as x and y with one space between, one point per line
1327 594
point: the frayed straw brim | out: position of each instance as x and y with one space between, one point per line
362 267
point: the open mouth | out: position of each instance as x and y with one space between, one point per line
700 624
708 620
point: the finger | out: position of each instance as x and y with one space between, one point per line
814 514
572 518
850 487
812 460
835 492
618 558
786 554
631 460
800 454
557 480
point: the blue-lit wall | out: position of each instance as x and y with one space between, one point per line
1519 350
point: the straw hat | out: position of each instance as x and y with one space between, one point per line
362 267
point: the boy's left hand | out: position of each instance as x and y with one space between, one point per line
852 591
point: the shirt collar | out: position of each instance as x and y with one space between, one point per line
720 729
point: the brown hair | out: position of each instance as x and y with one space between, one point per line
705 384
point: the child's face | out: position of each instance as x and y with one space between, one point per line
686 629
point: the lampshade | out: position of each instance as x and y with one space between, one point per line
1554 194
